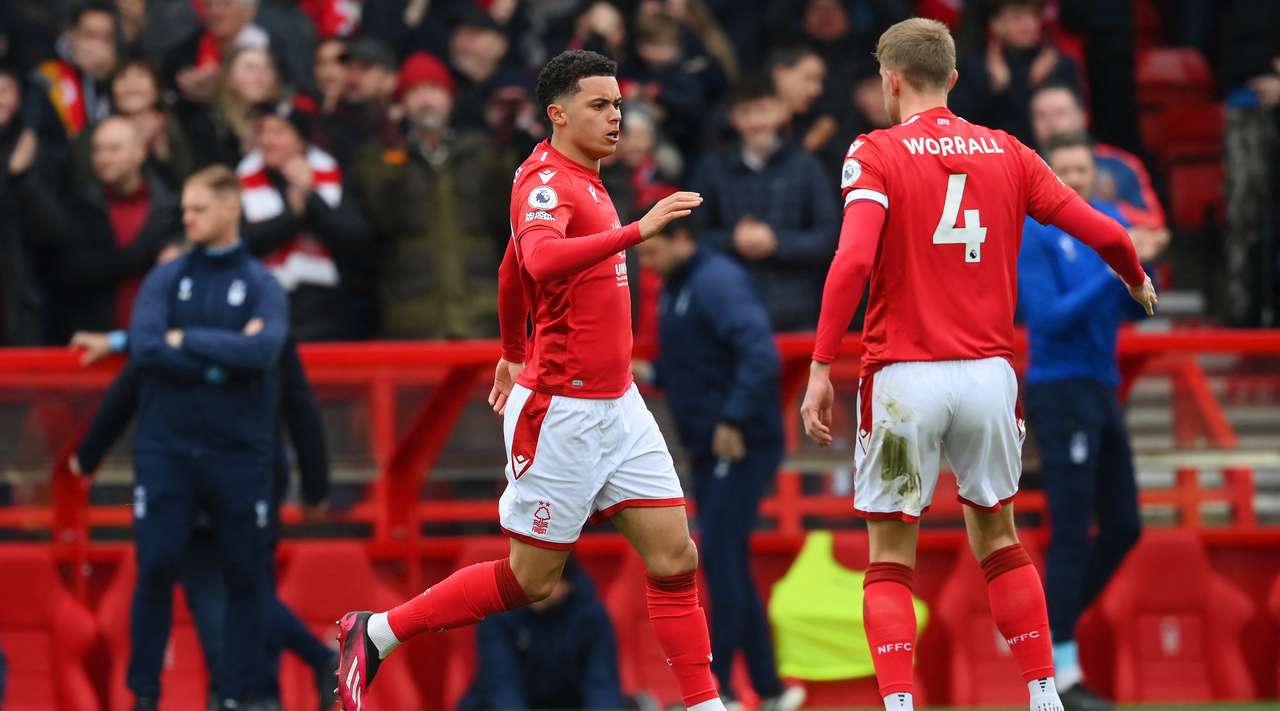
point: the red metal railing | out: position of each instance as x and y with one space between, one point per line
459 371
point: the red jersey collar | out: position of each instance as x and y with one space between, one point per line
565 161
935 111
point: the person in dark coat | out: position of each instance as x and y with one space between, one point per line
206 336
559 653
768 203
719 369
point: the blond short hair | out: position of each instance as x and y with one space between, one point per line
922 50
218 178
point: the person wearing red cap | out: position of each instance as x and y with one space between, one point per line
438 264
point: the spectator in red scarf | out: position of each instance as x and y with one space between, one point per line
228 25
304 223
75 82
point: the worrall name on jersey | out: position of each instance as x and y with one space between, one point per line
949 145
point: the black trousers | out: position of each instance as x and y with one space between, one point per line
1088 478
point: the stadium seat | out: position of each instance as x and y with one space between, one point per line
45 633
184 677
1173 75
983 672
1176 625
1273 606
1179 132
322 581
1196 194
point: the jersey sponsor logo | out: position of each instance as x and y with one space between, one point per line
544 197
235 294
541 518
184 289
620 273
539 215
546 175
893 647
850 173
952 145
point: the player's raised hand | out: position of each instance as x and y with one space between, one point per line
668 210
815 411
1145 295
504 378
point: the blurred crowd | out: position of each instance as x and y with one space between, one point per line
375 139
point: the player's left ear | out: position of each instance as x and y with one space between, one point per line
557 114
955 76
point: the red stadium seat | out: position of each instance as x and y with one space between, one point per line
1196 194
982 670
1176 625
45 634
1273 605
1182 131
184 677
324 580
1171 75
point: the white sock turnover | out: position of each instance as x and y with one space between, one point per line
381 635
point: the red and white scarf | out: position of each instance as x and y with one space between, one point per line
303 260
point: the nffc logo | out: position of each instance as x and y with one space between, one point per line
1020 638
895 647
541 518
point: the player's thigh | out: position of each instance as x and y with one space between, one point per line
902 410
983 441
553 467
660 534
537 568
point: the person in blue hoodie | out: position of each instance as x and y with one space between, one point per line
1073 307
719 369
558 653
206 337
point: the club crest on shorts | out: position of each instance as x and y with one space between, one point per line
542 518
543 197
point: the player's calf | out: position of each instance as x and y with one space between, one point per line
890 619
1018 607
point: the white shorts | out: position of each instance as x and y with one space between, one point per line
569 459
910 413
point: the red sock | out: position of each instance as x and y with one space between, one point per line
1017 604
463 598
681 627
890 620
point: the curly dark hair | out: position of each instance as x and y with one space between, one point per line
560 76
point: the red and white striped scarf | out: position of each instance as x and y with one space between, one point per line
303 260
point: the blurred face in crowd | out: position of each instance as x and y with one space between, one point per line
826 20
278 141
252 77
659 51
10 99
591 118
476 51
758 121
800 84
134 90
868 98
1017 26
666 252
638 140
1055 111
225 18
117 152
92 41
331 73
428 106
369 83
208 215
1075 167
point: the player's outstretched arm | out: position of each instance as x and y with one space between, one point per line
547 256
859 238
1112 243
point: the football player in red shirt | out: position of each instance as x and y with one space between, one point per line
580 442
934 208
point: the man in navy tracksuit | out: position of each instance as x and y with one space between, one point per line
200 576
1073 306
719 369
206 335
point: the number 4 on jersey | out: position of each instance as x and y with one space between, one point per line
972 235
